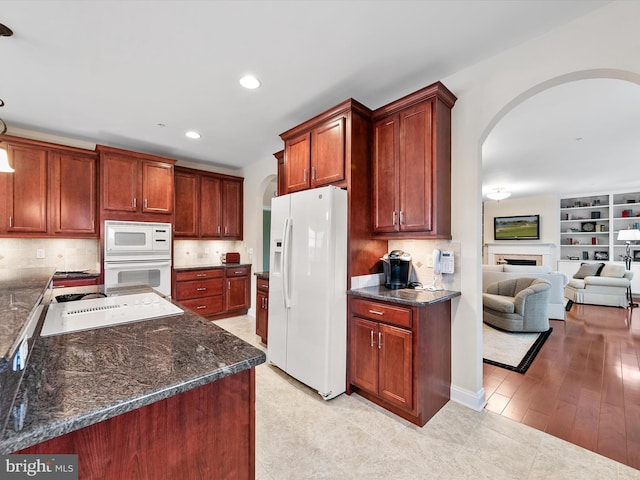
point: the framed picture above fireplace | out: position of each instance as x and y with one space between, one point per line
517 227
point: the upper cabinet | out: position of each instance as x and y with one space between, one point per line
135 186
208 205
73 180
315 152
412 165
52 191
334 148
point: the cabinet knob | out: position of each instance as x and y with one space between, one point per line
201 307
201 289
379 340
134 203
401 217
376 312
372 338
201 275
393 218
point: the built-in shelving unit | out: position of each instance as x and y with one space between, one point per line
585 228
589 227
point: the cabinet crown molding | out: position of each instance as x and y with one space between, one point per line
437 90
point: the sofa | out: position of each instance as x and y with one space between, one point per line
496 273
517 304
599 284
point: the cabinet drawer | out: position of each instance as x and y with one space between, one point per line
199 274
204 306
262 284
237 272
199 288
382 312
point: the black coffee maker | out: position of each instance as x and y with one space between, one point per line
397 269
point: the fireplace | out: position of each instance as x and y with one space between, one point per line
519 261
527 253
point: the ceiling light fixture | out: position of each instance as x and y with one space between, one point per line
192 134
250 82
4 158
498 194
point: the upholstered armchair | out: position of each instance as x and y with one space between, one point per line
517 305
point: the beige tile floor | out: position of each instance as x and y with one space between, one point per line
300 436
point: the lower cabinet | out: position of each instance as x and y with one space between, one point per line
213 292
262 309
399 356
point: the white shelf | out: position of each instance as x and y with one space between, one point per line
611 208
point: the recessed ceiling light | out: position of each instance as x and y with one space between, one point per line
250 82
192 134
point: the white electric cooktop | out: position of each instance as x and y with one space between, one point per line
93 313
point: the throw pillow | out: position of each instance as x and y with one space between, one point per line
589 270
613 270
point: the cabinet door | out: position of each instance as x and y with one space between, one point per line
210 207
72 179
119 183
232 209
27 190
186 204
262 315
385 175
416 168
237 293
396 365
157 187
364 354
297 154
328 153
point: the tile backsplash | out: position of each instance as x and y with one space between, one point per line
206 252
60 253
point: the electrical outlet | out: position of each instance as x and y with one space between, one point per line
40 253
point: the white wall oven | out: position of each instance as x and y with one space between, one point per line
137 252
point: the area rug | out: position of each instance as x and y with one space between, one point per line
513 351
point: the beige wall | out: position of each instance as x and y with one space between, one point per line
547 206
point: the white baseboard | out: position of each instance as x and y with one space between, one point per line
476 400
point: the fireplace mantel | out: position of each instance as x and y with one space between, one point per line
543 250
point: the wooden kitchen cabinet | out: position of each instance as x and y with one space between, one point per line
52 193
135 186
381 359
72 181
399 356
314 154
26 189
282 187
208 205
334 148
201 291
262 308
215 292
412 165
238 289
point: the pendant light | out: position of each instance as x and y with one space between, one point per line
4 158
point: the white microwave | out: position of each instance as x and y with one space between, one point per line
136 241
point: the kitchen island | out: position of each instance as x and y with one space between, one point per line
171 397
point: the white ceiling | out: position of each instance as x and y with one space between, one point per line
577 138
110 71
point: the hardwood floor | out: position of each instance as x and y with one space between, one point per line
584 385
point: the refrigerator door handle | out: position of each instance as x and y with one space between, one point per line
285 263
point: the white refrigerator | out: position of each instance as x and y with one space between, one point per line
307 335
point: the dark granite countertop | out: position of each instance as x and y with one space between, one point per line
20 292
186 268
404 296
262 275
78 379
